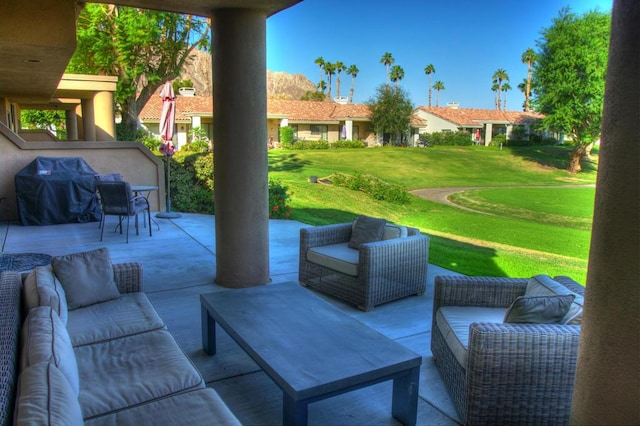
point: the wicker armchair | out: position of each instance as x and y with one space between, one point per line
386 270
515 373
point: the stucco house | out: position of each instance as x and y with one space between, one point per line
485 123
311 120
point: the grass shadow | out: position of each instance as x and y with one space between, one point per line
286 162
555 157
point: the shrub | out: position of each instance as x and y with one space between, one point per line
498 139
307 145
347 143
286 136
371 185
192 182
459 138
279 200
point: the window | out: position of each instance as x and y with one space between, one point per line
295 131
355 133
319 130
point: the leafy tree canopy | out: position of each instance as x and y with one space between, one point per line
569 76
143 48
391 111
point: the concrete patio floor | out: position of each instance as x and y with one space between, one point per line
179 265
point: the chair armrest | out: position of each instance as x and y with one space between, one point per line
512 365
393 257
324 235
128 277
491 292
569 283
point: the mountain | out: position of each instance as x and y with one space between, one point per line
280 85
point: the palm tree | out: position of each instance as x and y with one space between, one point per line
329 69
397 74
339 68
322 86
523 88
498 77
387 60
320 62
494 88
438 86
505 87
353 72
528 57
428 70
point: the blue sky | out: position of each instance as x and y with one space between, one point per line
465 40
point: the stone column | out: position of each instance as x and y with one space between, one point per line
80 122
104 117
607 387
88 120
240 151
488 133
71 122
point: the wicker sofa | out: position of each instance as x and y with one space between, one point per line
112 363
499 372
376 273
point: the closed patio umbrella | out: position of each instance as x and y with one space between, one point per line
167 123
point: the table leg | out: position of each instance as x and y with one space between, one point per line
294 412
208 332
405 397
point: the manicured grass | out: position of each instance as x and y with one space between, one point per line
521 240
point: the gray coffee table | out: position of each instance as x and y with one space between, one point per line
309 348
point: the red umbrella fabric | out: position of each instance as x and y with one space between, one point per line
167 119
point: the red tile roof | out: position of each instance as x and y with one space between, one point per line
300 111
472 117
185 107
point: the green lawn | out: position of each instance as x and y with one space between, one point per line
527 230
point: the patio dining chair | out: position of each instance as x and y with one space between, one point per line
117 199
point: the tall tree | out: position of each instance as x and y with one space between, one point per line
569 75
528 57
438 86
143 48
505 88
353 72
387 60
330 70
322 86
498 77
397 74
320 63
391 113
495 89
340 66
428 70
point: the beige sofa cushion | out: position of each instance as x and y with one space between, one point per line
198 407
454 321
45 339
337 257
132 370
131 314
45 398
42 288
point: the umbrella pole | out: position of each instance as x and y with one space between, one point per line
168 214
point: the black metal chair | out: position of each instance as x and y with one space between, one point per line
117 199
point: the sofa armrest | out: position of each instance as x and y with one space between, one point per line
511 366
571 284
324 235
394 257
128 277
490 292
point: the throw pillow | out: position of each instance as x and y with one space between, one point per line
543 285
539 309
366 230
42 288
45 339
44 397
87 277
